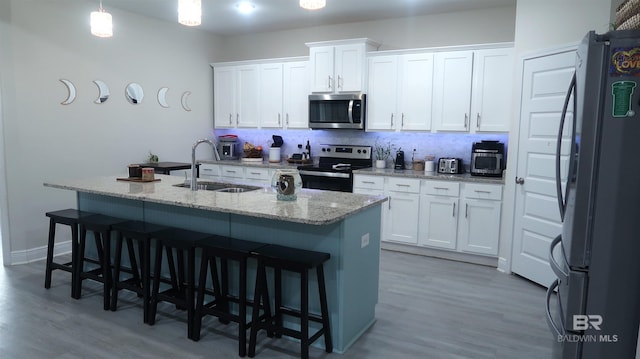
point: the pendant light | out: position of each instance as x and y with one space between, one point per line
101 23
313 4
190 12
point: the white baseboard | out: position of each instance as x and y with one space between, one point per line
443 254
39 253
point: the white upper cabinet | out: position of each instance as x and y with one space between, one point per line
400 91
492 90
452 90
261 95
271 95
224 97
296 94
472 90
339 66
382 101
236 98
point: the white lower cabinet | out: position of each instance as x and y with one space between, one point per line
449 215
209 171
479 224
404 209
438 225
257 175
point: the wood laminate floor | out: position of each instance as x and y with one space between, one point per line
428 308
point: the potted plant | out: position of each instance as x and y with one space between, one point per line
382 151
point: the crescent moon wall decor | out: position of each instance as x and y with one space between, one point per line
185 97
162 97
71 92
103 89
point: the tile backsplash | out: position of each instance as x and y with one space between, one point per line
425 144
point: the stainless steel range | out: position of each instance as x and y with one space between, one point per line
334 171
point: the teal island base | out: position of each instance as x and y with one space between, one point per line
351 274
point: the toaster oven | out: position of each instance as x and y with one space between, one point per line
487 158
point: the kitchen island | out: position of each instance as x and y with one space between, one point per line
345 225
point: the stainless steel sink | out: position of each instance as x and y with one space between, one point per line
220 187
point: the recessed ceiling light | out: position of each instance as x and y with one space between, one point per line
245 7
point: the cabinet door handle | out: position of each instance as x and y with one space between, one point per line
370 182
330 87
206 169
466 119
391 120
254 173
402 185
237 119
466 210
230 118
279 123
402 121
453 213
442 188
287 119
340 81
478 120
389 200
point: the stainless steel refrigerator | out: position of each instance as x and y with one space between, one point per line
596 311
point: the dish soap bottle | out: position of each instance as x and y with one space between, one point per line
308 148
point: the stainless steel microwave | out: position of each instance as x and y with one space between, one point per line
343 111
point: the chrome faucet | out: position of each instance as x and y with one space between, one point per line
194 180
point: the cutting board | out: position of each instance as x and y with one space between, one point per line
137 179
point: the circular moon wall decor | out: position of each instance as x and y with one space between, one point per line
134 93
162 97
185 97
103 89
71 92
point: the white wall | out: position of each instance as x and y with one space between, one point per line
543 25
44 140
461 28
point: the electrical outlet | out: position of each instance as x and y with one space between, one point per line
364 241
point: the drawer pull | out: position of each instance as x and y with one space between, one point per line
402 185
254 173
442 188
369 182
479 191
207 169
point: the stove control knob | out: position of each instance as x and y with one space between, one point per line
328 149
323 149
364 151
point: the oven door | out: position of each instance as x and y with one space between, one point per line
328 181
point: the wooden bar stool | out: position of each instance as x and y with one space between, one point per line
140 281
225 249
182 288
68 217
298 261
101 226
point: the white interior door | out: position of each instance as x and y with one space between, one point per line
545 83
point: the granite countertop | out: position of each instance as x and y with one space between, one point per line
464 177
313 207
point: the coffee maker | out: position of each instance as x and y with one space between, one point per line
399 162
228 147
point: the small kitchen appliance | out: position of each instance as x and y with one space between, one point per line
487 158
228 147
334 171
450 165
399 162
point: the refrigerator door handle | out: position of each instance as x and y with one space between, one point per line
555 266
558 329
562 205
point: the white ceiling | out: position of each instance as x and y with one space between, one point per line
221 16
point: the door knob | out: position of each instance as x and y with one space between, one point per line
519 180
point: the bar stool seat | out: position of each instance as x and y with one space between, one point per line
140 281
101 226
182 290
68 217
225 249
298 261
